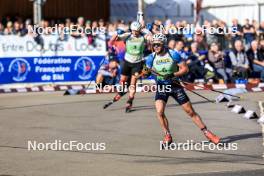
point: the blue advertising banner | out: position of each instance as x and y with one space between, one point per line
49 69
23 60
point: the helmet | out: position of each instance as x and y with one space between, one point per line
135 26
159 38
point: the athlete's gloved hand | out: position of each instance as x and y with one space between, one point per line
120 31
149 26
168 76
146 72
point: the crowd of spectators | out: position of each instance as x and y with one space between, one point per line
225 56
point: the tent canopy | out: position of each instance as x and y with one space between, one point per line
224 3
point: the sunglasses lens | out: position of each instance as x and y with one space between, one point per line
156 45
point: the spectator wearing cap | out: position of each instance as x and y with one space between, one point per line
108 73
256 58
239 60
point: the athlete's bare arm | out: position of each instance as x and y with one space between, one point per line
183 69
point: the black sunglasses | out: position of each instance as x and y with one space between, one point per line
156 45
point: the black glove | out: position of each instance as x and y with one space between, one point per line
168 76
146 72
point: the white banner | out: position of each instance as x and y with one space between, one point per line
15 46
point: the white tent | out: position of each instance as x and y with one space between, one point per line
173 9
183 9
228 9
227 3
123 10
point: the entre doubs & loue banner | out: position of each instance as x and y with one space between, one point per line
22 60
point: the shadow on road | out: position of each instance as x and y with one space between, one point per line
239 137
145 107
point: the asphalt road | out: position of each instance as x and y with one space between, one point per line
131 141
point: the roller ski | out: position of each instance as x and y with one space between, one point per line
115 99
129 105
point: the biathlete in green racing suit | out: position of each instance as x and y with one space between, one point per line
133 62
169 65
